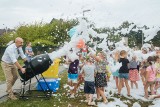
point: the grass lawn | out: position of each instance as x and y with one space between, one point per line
61 100
2 77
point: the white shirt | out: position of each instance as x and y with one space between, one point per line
11 54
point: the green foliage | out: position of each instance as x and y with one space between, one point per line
54 34
43 43
110 32
2 77
41 34
134 37
156 39
5 38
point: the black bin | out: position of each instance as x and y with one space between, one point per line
37 65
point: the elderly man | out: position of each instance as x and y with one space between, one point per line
10 64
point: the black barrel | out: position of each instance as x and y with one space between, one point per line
40 63
37 65
27 75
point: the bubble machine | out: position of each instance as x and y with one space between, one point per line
36 66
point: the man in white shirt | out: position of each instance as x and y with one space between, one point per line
10 64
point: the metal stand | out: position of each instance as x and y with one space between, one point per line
46 93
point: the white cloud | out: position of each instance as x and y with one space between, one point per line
103 12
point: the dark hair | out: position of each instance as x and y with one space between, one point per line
150 59
156 57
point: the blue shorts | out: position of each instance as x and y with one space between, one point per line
84 54
89 87
73 78
115 74
124 75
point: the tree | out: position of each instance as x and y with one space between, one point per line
156 40
41 34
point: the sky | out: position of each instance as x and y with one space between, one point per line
104 13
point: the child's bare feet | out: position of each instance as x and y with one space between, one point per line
105 102
91 104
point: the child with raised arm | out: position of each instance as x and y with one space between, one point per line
100 76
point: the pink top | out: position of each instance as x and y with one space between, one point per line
152 73
84 49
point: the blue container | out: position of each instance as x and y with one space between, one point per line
52 83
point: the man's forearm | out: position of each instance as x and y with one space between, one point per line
18 65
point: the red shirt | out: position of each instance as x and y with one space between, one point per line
84 49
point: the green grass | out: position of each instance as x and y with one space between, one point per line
2 77
61 100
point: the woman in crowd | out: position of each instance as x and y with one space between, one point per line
28 51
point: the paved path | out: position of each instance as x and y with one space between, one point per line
17 86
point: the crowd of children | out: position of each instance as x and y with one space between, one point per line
93 70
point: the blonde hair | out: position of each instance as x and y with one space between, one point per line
134 57
103 54
123 52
